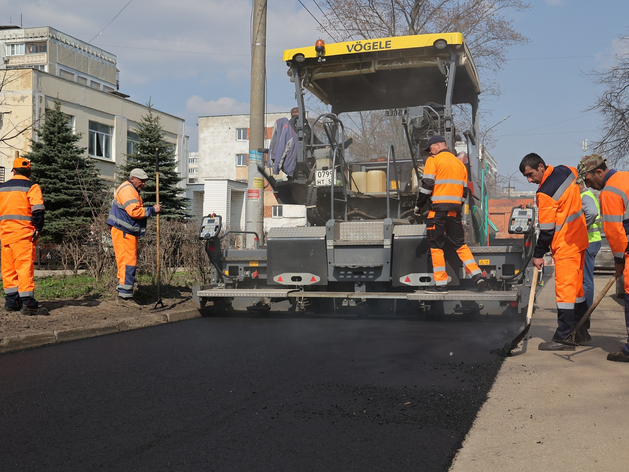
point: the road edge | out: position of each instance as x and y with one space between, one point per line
51 337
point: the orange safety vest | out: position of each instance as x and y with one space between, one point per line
21 209
615 209
445 181
561 221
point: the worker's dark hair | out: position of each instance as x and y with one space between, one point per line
603 167
532 160
22 171
294 111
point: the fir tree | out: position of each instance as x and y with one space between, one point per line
69 179
149 130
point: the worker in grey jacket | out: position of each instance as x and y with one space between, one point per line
592 212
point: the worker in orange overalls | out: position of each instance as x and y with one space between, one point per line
127 219
614 199
563 230
445 183
21 222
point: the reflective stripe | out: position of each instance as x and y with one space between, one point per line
426 191
129 202
594 229
563 187
469 261
428 176
565 306
27 294
10 290
546 226
612 218
580 299
475 271
621 194
450 181
620 255
441 282
16 217
448 198
38 207
570 219
21 188
439 269
122 223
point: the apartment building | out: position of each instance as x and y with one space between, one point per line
41 65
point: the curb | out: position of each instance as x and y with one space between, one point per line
46 338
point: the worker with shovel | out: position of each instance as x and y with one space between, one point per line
562 230
127 219
614 199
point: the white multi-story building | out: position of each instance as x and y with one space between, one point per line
41 65
223 173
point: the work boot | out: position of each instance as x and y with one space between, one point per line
619 356
437 289
481 284
34 311
555 345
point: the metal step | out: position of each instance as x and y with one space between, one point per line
452 295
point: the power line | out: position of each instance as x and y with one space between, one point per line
112 20
337 16
328 19
315 18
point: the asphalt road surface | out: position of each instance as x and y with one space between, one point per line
254 393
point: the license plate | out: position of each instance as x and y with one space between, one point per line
323 178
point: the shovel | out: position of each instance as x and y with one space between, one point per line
571 337
529 314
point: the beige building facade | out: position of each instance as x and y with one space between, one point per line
84 80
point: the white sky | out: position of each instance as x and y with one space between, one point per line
191 58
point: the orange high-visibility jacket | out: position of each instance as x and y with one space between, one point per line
615 209
444 182
562 226
128 212
21 209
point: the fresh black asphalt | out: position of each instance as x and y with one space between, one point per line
251 392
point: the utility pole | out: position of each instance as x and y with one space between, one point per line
255 187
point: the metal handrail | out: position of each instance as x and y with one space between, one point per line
391 154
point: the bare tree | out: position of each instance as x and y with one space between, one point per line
613 104
488 33
12 128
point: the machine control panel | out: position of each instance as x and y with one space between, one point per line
522 220
210 227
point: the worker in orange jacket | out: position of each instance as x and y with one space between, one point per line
127 219
444 183
614 199
21 222
563 230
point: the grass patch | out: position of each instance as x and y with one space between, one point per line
79 286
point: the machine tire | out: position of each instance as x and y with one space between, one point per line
317 215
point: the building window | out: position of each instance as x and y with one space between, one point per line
69 121
133 141
35 48
241 134
193 160
1 174
15 49
193 170
241 160
192 180
277 211
100 140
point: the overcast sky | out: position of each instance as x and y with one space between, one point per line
192 58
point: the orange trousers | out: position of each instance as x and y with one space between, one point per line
18 273
126 250
569 280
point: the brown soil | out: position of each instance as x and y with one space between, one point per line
86 313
